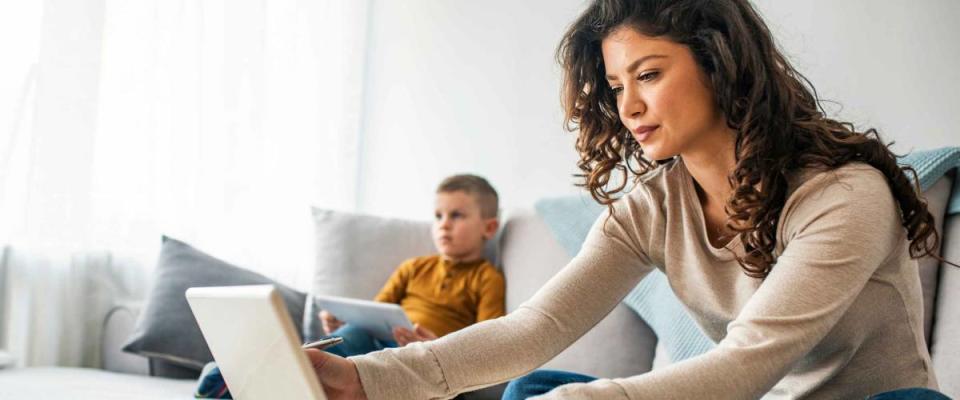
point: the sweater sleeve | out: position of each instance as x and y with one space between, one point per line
838 234
608 266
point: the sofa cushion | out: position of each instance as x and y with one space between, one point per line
166 329
945 337
620 345
87 383
355 255
938 195
117 326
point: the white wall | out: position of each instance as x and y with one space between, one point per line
891 64
463 86
454 86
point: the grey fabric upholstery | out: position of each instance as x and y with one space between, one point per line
945 338
89 383
355 254
937 197
117 327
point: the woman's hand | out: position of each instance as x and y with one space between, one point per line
339 376
330 323
418 334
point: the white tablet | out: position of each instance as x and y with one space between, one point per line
377 318
254 342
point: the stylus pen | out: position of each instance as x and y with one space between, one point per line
324 343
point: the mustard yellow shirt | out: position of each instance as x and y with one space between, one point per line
445 297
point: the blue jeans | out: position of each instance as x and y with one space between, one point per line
542 381
357 341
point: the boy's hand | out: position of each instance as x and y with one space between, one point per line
338 375
330 323
418 334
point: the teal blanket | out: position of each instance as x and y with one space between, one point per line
933 164
570 219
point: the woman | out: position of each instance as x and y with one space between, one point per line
789 236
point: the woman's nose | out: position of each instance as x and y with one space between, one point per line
631 105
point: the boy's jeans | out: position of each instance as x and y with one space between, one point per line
542 381
357 341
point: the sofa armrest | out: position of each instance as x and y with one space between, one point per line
6 360
117 327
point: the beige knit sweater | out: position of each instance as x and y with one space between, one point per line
839 316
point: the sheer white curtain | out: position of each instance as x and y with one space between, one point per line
218 122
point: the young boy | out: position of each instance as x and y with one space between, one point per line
444 292
440 293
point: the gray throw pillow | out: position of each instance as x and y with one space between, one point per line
166 331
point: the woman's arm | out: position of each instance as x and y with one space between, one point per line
608 266
839 232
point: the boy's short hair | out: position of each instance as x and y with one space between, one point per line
475 186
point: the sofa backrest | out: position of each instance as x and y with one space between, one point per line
944 340
937 197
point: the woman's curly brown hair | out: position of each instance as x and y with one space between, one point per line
780 124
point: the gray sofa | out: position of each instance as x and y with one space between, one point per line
621 345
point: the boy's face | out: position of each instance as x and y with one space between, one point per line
459 230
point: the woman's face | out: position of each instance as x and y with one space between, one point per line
662 95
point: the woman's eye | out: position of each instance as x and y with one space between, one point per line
648 76
616 90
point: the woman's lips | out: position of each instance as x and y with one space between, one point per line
643 132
